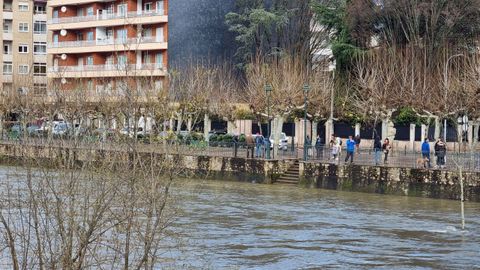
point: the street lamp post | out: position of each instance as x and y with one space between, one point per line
268 90
306 89
445 81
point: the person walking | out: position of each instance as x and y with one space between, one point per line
440 152
426 152
386 147
350 149
377 149
319 147
258 145
357 140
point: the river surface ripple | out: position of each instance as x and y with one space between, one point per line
231 225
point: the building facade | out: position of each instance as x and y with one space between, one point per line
101 46
24 46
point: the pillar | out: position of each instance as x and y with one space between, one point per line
412 137
231 128
470 134
170 124
423 131
358 126
299 131
476 127
329 130
244 127
384 129
206 127
460 133
314 131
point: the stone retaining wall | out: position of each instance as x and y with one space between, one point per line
389 180
371 179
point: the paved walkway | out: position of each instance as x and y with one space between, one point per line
469 162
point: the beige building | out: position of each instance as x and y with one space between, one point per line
24 46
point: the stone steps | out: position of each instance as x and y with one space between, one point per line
291 176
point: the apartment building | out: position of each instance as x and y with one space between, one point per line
94 45
24 46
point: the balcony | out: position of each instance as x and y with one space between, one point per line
7 35
108 19
7 78
107 45
109 70
57 3
7 14
7 57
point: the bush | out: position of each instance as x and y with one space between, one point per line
406 116
242 138
214 138
227 138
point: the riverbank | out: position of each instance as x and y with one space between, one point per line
361 178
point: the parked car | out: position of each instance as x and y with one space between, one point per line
130 132
34 130
282 143
61 129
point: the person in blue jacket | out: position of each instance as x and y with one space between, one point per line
350 149
426 152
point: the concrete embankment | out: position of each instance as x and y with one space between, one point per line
360 178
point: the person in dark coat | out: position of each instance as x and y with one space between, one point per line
377 149
440 152
357 140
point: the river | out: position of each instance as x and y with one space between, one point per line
231 225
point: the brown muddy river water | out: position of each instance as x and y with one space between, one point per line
230 225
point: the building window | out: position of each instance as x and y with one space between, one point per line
148 7
90 85
6 28
23 6
40 9
40 48
23 69
40 27
23 27
159 61
90 11
23 48
6 49
122 10
122 61
39 69
90 36
121 35
160 5
89 61
39 88
7 68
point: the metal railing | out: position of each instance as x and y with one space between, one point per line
107 16
396 158
107 67
470 162
106 41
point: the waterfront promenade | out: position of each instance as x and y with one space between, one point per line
469 161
